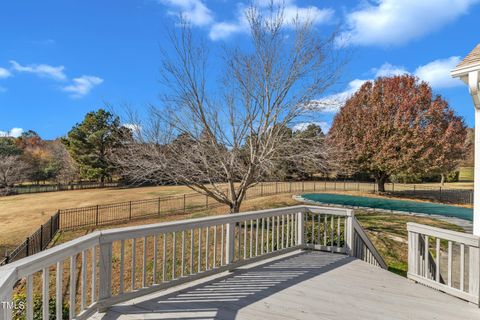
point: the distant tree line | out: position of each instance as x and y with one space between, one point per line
81 155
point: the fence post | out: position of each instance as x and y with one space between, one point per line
276 187
158 206
414 188
300 231
290 187
261 189
206 202
314 184
130 210
51 228
41 237
96 216
325 185
335 185
58 221
105 272
184 203
230 234
28 245
303 186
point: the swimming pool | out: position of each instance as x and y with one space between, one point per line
392 204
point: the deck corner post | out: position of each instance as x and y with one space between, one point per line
410 253
105 272
349 232
230 245
414 254
300 230
474 267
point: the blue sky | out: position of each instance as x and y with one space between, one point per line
60 59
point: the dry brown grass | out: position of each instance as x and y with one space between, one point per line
21 215
387 231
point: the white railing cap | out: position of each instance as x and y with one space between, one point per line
50 256
460 237
46 258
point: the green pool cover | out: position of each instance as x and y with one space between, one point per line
391 204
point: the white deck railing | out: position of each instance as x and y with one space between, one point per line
116 265
444 260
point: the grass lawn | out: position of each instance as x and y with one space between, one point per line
21 215
387 231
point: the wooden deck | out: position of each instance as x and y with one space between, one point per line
300 285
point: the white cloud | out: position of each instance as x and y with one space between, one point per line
223 30
81 86
14 132
334 102
42 70
437 73
133 127
325 126
389 70
4 73
394 22
311 13
195 11
291 12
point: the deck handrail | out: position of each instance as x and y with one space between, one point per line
365 250
163 255
425 260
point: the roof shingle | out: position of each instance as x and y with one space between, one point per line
473 58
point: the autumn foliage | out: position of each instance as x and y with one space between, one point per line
397 126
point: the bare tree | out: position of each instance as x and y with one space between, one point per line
66 167
12 170
220 145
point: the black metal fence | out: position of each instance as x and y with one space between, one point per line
98 215
38 188
441 194
36 242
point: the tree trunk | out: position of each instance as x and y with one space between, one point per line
442 180
380 181
235 207
102 181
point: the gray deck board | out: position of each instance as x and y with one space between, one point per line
306 285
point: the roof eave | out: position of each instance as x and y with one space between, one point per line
464 71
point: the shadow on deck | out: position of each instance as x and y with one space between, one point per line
303 285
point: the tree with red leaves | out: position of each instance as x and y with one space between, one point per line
397 125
